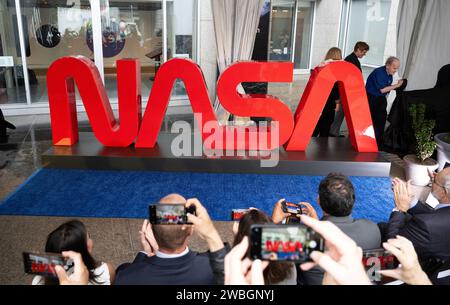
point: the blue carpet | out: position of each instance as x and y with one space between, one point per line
126 194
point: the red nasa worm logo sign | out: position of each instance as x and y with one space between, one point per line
295 131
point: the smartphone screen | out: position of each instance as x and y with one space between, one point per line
237 214
376 260
44 264
168 214
284 242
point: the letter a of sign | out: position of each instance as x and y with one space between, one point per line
353 98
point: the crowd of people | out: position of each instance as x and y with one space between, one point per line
416 234
378 85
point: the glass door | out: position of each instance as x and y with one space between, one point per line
131 29
303 35
53 29
12 78
281 30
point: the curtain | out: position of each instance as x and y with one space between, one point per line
235 26
423 40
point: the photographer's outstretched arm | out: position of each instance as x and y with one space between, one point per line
204 226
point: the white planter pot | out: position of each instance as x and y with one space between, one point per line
443 149
418 172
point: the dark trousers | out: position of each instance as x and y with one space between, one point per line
326 119
378 105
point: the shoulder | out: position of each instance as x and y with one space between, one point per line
103 274
38 280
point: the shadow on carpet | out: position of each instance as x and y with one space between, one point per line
127 194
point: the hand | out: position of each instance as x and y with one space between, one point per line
400 83
239 271
80 276
148 241
402 194
409 270
204 226
309 210
338 107
431 174
277 214
343 258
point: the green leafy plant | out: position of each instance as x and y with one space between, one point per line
423 132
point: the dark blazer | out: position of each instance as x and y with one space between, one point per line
352 58
364 232
428 229
190 269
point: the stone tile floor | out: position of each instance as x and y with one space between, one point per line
115 240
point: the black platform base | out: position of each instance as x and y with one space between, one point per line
324 155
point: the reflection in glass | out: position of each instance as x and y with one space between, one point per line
131 29
368 21
55 30
181 40
303 33
280 45
12 82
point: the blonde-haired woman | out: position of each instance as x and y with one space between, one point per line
326 119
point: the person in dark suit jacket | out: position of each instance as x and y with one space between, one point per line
167 260
426 227
360 50
336 199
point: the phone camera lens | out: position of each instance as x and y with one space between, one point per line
312 244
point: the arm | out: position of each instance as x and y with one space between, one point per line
412 228
392 87
204 226
217 262
112 273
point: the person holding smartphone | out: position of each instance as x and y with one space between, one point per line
73 236
166 258
276 273
336 200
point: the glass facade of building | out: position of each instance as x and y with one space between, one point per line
34 33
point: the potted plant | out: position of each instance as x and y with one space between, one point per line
443 149
417 165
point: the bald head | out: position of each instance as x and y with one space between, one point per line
172 238
441 187
173 199
443 178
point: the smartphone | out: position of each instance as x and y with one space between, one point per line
376 260
294 209
237 214
170 214
44 264
284 242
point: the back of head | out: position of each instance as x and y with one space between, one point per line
171 238
71 236
334 54
336 195
275 271
361 46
